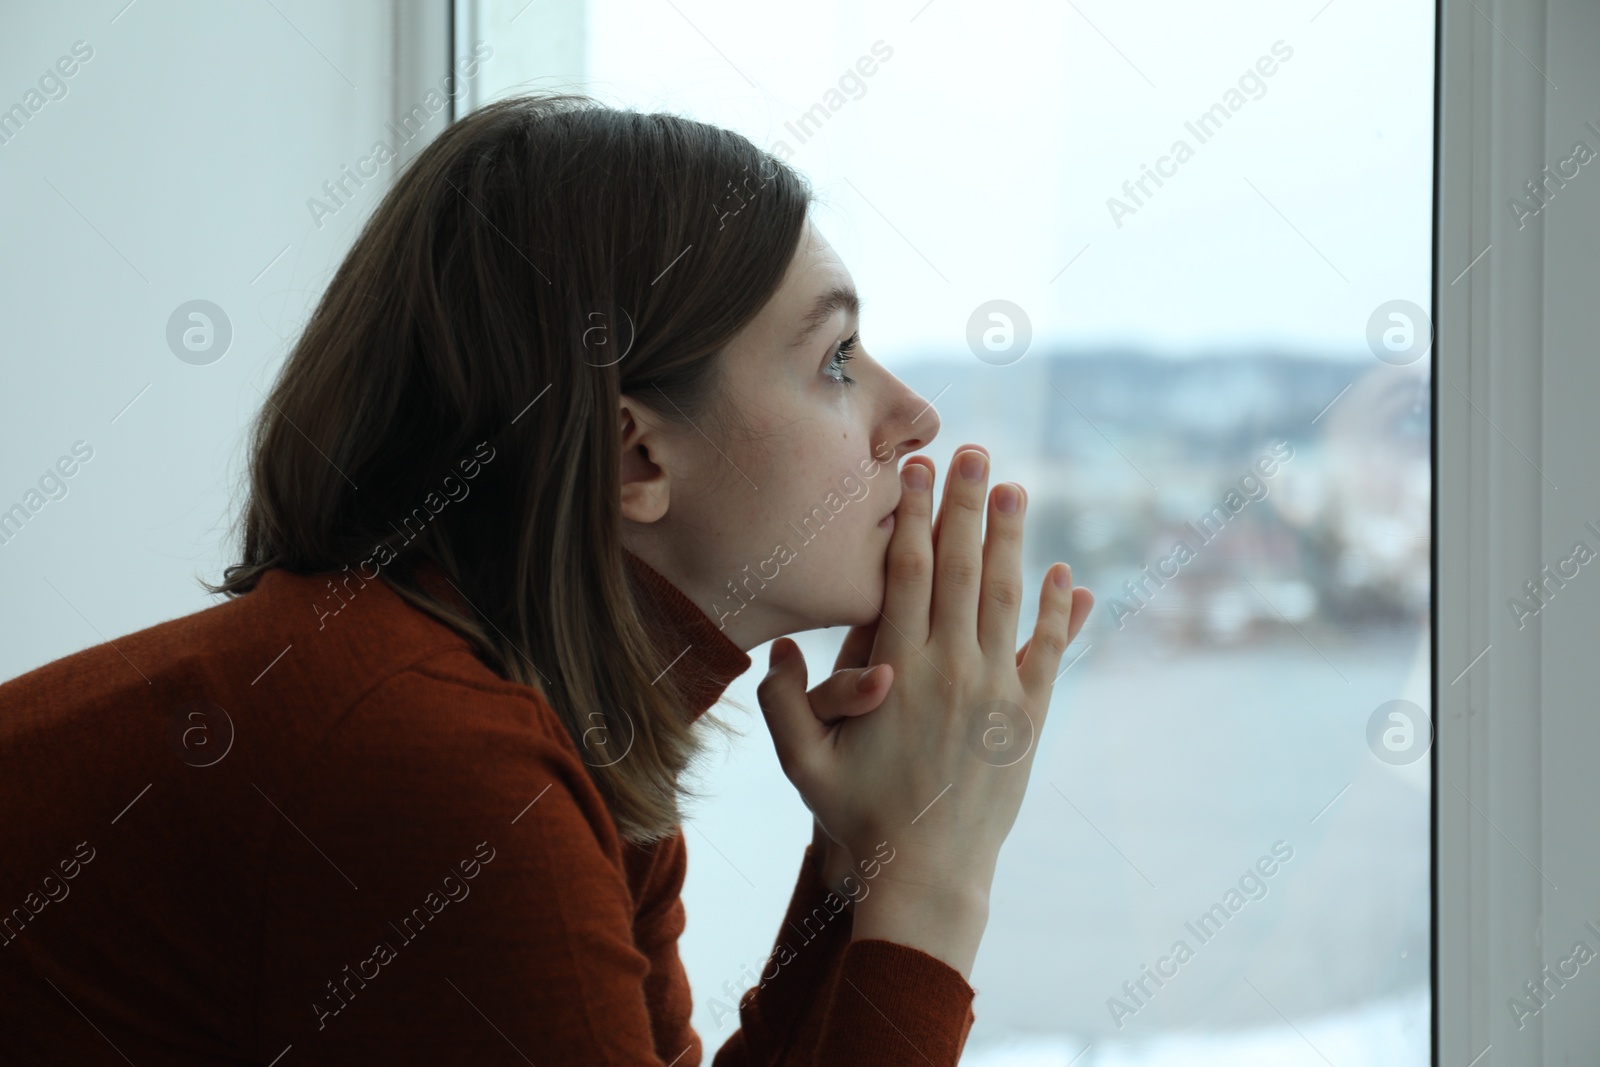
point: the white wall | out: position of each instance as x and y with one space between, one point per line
176 166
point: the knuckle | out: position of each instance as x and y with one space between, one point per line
1005 593
1051 637
960 570
971 500
910 566
767 689
964 674
798 769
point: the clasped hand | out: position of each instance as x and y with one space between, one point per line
915 772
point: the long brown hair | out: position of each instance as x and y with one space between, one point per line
543 256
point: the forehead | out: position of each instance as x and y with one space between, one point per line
814 254
814 288
815 275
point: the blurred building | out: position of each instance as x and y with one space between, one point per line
1124 452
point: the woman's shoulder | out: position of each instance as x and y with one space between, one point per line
331 625
254 726
272 677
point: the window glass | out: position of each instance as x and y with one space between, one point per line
1171 265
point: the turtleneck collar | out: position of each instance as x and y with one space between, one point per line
686 636
689 639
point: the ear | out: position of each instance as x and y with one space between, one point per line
645 482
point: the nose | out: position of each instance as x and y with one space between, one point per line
916 421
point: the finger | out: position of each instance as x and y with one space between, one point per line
908 579
1082 602
958 560
980 448
1001 596
857 648
851 692
1052 633
797 736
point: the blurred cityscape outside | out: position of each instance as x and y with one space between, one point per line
1127 455
1217 702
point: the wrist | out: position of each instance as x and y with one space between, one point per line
946 922
960 900
833 870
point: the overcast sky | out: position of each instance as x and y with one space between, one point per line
979 157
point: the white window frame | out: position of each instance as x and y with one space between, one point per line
1516 804
1516 796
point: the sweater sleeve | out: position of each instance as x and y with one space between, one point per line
776 1001
446 885
824 999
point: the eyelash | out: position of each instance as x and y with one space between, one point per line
841 356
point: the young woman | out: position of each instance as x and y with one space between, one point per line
582 418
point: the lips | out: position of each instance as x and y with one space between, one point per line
887 522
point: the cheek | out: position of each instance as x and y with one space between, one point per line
821 495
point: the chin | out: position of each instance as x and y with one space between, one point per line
852 612
861 609
841 598
865 614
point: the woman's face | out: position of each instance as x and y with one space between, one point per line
788 532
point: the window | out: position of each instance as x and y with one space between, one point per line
1173 269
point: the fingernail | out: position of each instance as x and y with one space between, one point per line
915 477
972 465
1062 576
1005 498
867 679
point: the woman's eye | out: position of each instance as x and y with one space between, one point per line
841 356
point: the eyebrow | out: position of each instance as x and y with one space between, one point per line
840 296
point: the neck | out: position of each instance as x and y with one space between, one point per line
724 609
688 638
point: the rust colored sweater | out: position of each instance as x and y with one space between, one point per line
377 851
